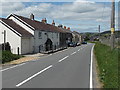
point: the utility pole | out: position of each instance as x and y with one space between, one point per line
99 31
4 39
113 25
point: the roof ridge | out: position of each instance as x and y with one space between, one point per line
25 17
36 25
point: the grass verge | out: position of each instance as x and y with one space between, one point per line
107 60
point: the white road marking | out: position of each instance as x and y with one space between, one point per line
91 64
78 49
32 60
73 53
33 76
12 67
61 51
63 59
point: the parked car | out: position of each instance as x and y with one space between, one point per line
84 42
78 44
71 44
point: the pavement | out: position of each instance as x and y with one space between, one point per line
69 68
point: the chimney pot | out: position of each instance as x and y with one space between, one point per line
44 20
60 26
53 23
68 28
64 27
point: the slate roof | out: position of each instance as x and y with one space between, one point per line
16 27
37 25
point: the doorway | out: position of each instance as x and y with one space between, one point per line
48 44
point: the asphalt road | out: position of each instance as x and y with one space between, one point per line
69 68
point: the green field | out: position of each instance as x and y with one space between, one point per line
107 61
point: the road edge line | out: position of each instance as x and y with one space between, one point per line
91 65
12 67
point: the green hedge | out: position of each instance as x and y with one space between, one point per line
7 56
107 60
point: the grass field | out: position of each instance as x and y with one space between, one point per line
107 60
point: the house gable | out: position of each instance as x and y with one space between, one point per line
10 28
23 24
15 28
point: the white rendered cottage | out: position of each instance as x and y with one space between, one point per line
17 36
38 36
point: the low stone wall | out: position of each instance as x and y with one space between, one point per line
107 41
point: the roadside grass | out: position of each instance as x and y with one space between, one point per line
107 60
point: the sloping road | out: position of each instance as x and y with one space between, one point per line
65 69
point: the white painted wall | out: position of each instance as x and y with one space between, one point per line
11 37
22 25
41 41
1 34
26 45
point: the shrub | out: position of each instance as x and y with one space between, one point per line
7 56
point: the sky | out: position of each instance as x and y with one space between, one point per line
79 15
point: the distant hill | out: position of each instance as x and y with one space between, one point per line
108 33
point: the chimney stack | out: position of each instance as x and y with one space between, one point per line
64 27
53 23
60 26
31 16
44 20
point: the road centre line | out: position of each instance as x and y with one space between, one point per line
18 85
63 59
12 67
78 49
32 60
73 53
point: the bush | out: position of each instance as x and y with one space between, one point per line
7 56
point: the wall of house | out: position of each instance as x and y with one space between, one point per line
22 25
27 45
63 39
80 39
42 40
1 34
11 37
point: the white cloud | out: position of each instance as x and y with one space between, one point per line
81 10
16 0
84 10
11 7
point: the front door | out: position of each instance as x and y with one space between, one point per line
48 45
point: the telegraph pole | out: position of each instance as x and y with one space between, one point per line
4 39
113 25
99 31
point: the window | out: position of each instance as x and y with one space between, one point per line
40 35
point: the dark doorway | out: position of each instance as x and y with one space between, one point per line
48 45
